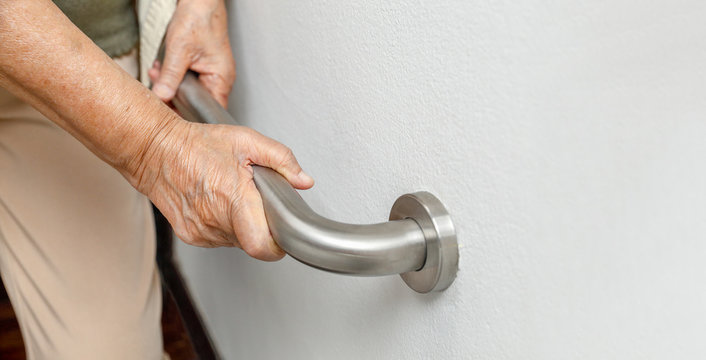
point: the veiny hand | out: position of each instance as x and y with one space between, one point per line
200 177
196 39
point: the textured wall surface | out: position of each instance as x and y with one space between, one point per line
566 139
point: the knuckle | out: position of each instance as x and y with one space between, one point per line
191 238
286 156
183 236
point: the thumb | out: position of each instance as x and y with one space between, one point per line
176 62
272 154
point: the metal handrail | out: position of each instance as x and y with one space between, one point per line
419 241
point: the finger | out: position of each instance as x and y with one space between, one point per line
250 224
176 62
219 79
218 86
217 74
270 153
153 74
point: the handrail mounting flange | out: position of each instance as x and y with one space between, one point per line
439 270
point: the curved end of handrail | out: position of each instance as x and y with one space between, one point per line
386 248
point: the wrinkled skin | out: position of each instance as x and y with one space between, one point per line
200 177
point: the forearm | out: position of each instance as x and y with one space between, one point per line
48 62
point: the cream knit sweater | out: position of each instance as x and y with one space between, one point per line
153 17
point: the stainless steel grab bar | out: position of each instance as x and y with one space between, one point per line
419 241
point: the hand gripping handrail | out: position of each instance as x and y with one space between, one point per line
419 241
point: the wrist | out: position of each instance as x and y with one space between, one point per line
152 144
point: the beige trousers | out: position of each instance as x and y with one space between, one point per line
77 244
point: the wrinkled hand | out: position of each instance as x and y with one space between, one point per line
200 177
196 39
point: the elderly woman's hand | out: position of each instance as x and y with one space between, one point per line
200 177
197 39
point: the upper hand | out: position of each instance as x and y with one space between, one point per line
196 39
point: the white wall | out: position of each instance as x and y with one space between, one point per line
567 140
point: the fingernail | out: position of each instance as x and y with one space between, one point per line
304 177
163 91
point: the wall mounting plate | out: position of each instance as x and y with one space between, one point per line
441 265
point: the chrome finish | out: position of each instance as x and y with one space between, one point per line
439 270
419 242
377 249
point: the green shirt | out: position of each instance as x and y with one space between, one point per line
111 24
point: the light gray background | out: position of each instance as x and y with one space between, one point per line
567 140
